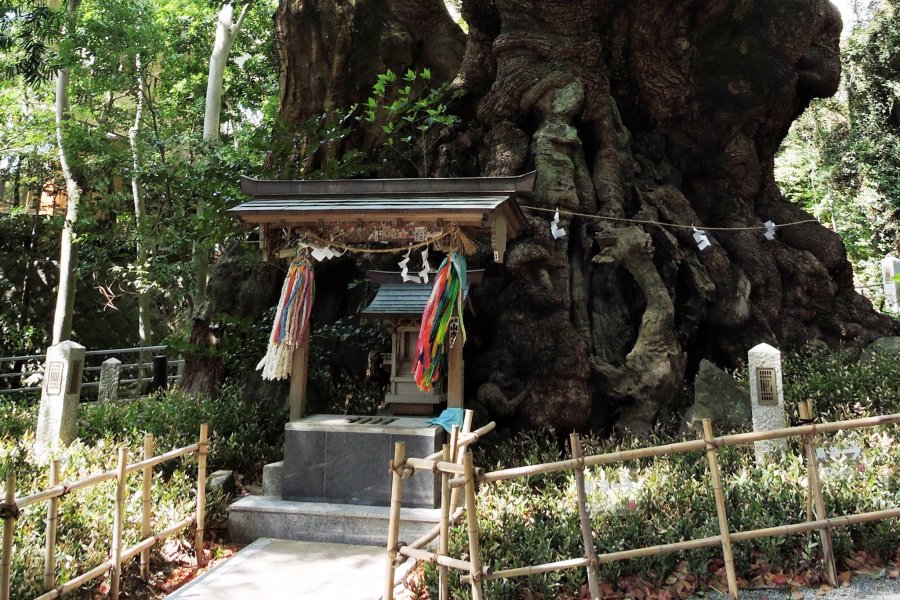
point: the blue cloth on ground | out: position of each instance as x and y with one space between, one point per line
448 418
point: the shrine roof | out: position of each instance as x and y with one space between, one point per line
467 201
402 299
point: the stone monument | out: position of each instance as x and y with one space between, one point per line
58 416
766 397
110 371
890 269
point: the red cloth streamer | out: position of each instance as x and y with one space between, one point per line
446 300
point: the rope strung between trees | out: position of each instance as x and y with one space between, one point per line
673 225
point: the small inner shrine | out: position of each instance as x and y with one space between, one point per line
334 460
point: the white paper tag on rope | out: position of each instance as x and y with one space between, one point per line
404 269
701 239
770 230
426 268
319 254
555 229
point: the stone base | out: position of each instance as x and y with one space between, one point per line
254 517
271 483
345 459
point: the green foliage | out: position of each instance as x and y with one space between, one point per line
535 520
27 29
409 115
243 436
840 159
334 390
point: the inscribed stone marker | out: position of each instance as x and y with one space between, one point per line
766 397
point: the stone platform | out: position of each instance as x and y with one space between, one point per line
254 517
279 570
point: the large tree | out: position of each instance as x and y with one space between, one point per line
659 110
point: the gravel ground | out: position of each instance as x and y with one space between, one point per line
861 588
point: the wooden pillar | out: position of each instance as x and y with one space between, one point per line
455 371
299 368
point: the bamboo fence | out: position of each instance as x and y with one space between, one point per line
460 474
12 507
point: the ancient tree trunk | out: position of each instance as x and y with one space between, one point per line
658 110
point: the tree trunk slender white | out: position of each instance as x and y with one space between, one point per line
144 332
68 256
226 32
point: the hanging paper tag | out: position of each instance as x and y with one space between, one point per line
404 269
426 268
701 239
770 230
319 254
555 229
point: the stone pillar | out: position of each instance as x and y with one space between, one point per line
58 416
890 269
766 397
110 371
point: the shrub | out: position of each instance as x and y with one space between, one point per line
535 520
243 436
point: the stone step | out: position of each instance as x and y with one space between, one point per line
255 517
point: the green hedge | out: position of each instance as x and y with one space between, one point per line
243 437
535 520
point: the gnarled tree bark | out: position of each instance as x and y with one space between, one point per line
658 110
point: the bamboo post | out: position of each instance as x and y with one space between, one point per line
146 507
9 527
716 480
444 544
395 466
52 513
587 534
457 458
201 494
472 520
815 492
457 451
118 522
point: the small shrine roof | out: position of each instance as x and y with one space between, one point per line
405 299
465 201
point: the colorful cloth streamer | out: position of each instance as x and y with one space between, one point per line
291 319
445 300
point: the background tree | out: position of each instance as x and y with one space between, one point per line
842 158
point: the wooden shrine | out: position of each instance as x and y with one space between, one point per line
399 305
377 215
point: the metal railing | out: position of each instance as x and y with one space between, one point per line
20 374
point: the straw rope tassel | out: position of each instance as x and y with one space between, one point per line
446 300
291 319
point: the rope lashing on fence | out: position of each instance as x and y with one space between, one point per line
291 319
9 511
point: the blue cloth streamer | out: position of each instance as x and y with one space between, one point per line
448 418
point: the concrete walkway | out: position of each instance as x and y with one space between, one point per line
271 569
